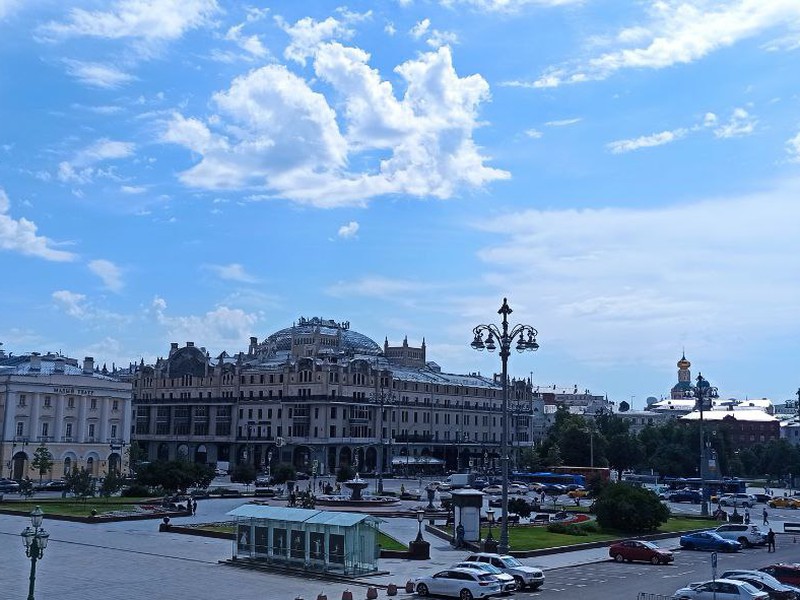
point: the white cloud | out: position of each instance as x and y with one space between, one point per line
149 20
81 168
678 32
435 37
348 231
97 74
222 327
564 122
110 274
508 5
71 303
233 272
710 119
376 287
20 236
307 35
274 131
7 7
533 133
646 141
740 124
420 28
639 283
249 43
793 148
389 28
132 189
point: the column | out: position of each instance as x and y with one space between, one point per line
105 408
58 425
80 434
35 426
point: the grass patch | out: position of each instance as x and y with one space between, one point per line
686 524
389 543
71 508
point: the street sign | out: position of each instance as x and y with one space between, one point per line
279 442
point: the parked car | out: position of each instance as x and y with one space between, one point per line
708 540
578 493
524 575
507 582
746 535
8 485
692 496
765 583
57 485
631 550
721 589
784 502
479 483
761 497
517 488
785 573
493 489
743 500
464 584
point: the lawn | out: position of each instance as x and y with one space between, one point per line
72 508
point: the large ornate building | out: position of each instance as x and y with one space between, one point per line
81 414
319 393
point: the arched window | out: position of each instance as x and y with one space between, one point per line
67 465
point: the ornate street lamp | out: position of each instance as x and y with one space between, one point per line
703 393
420 518
35 539
525 338
490 518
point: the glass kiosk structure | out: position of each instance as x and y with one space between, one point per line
315 540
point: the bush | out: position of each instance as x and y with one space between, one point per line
519 506
284 472
136 491
569 529
345 473
630 509
243 473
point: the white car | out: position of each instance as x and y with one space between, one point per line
746 535
739 500
492 489
507 583
524 575
517 488
721 589
464 584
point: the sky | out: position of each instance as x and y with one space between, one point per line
627 174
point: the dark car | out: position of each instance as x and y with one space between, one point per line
631 550
8 485
692 496
708 540
479 484
788 573
763 582
57 485
764 498
302 476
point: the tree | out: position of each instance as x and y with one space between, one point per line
136 455
553 456
243 473
629 509
174 475
530 460
519 506
112 483
81 483
284 472
345 473
42 461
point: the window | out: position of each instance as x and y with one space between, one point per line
22 400
68 430
71 402
45 429
20 428
91 430
115 405
93 404
113 432
47 401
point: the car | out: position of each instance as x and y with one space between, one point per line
493 489
764 582
517 488
578 493
479 484
743 500
692 496
464 584
630 550
444 486
524 575
786 573
721 589
300 476
762 497
708 540
746 535
57 485
507 582
8 485
784 502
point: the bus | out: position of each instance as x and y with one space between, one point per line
588 473
714 487
547 477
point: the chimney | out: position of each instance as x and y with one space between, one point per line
88 365
36 361
58 365
190 344
173 347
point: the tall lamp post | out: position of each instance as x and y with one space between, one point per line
35 539
703 393
382 397
525 337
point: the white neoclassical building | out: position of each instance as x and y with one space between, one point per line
80 414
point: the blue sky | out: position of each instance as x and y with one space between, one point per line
626 173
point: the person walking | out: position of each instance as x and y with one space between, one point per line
771 540
747 516
765 515
194 507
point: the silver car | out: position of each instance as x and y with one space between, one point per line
507 582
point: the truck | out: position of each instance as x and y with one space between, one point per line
459 480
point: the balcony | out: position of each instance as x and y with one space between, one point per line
413 437
43 439
67 438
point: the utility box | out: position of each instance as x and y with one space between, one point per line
467 504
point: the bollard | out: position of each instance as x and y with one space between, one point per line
409 586
372 593
347 595
391 590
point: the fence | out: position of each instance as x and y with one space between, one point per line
646 596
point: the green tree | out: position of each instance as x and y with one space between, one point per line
519 506
629 509
553 456
345 473
530 460
174 475
136 455
112 483
243 473
42 461
283 472
81 483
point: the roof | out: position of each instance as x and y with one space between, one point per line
300 515
739 415
21 365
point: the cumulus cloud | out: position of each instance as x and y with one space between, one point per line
81 169
249 43
307 34
646 141
108 272
793 148
71 303
640 282
97 75
233 272
274 131
740 124
677 32
376 287
149 20
349 230
20 236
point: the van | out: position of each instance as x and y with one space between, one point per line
459 480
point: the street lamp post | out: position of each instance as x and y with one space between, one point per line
702 392
382 398
35 539
525 337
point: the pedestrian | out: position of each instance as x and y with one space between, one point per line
747 516
765 515
771 540
194 507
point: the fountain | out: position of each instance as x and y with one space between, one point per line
356 486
